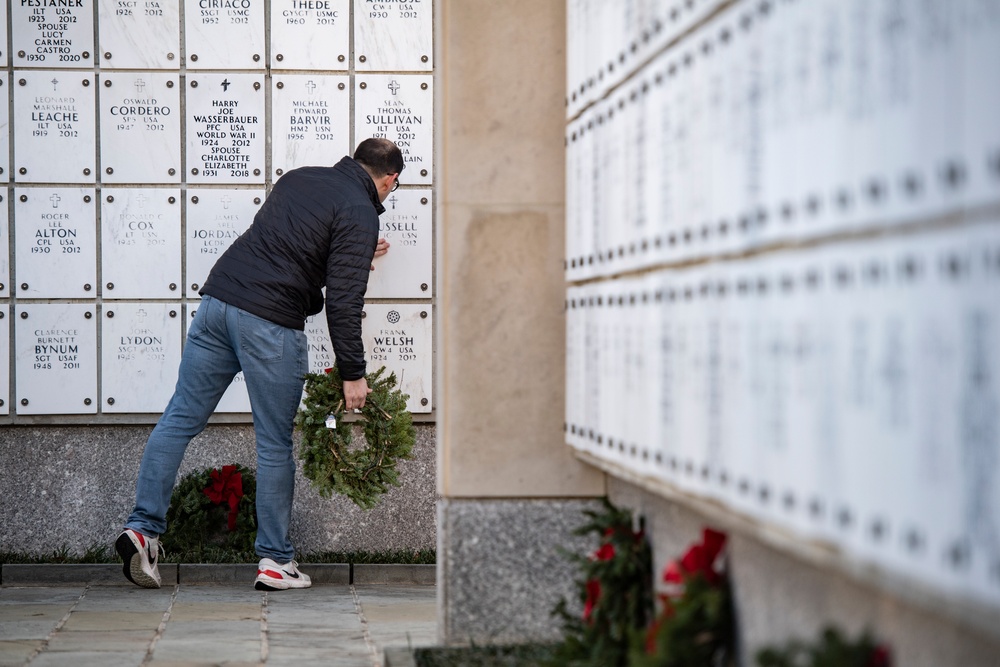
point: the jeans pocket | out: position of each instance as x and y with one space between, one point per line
263 340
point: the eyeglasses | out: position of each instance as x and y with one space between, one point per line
395 186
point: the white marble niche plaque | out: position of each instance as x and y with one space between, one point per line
140 127
51 35
236 398
225 128
140 353
4 130
393 36
398 336
224 34
310 34
139 34
215 218
399 108
4 367
310 120
4 249
321 355
56 366
54 138
405 271
56 243
141 243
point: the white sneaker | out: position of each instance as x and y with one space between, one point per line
140 554
272 576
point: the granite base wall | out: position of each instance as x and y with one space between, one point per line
500 568
779 596
73 487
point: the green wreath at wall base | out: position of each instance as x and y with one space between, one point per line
213 507
330 463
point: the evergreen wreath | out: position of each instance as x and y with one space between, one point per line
213 508
329 462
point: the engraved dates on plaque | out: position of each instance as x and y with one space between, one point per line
224 34
310 34
139 34
310 118
393 36
140 109
398 336
225 128
52 34
56 243
215 218
399 108
140 353
406 271
141 243
54 138
56 366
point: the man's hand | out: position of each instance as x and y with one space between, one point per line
380 249
355 393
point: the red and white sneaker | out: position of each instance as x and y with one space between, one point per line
272 576
140 554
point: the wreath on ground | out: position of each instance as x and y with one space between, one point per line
213 507
330 463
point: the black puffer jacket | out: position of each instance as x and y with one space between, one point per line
319 226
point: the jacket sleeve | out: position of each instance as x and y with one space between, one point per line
315 302
352 246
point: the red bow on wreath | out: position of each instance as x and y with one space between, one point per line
226 487
699 559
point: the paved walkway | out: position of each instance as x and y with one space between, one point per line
335 625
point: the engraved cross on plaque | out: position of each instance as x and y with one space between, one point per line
394 86
225 201
55 82
141 200
225 85
139 85
310 86
393 201
55 199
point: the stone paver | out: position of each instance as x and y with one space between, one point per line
189 625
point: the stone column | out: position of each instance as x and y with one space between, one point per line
510 490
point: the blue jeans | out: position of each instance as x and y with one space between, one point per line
222 341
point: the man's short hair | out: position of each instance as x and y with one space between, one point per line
379 156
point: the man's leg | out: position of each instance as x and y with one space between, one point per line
274 360
207 367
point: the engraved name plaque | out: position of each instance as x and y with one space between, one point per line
140 353
393 36
236 398
406 271
141 243
310 117
224 34
225 128
215 218
56 243
55 112
140 109
398 336
310 34
56 369
52 33
321 354
399 108
139 34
